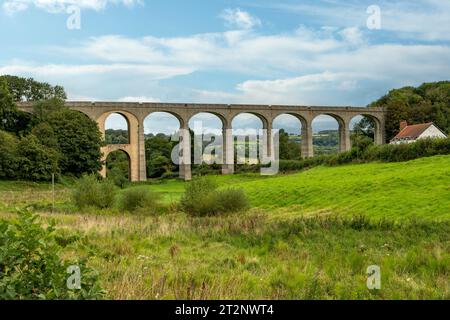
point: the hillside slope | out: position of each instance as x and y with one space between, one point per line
415 188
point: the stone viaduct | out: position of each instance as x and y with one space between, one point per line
135 114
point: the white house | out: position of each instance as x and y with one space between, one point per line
411 133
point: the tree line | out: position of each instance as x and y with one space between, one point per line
51 140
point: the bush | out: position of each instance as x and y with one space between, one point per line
91 192
231 200
139 199
201 198
30 266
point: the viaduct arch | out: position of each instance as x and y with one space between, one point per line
135 114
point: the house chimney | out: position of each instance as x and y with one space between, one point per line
403 124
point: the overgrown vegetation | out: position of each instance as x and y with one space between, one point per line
89 191
202 198
139 200
31 267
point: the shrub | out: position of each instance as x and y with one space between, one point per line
201 198
30 266
231 200
139 199
91 192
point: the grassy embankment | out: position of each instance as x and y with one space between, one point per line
297 241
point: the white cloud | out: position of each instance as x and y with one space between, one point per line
155 72
138 99
305 66
352 35
58 6
426 20
236 18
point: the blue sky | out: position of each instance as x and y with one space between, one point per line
255 51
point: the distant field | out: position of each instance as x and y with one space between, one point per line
303 238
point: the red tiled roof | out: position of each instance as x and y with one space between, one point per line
413 131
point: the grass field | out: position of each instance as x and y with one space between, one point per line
309 235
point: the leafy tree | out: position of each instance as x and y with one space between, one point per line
113 136
36 161
118 166
8 110
79 141
159 165
28 89
8 155
429 102
289 150
44 108
46 136
158 150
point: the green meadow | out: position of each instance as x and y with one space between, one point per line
307 235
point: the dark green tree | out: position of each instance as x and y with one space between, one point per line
429 102
28 89
8 110
36 161
79 141
289 150
158 150
8 156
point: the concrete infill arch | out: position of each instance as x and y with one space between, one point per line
135 113
125 148
132 148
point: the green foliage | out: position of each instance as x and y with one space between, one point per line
139 200
118 165
8 155
232 200
116 136
158 151
46 136
28 89
202 198
73 136
288 149
42 109
36 161
79 141
89 191
429 102
30 266
8 110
